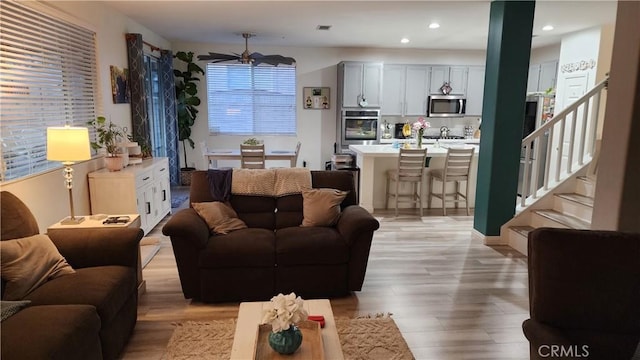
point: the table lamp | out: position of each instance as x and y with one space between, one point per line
68 145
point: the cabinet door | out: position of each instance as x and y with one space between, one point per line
163 197
533 78
144 199
393 91
548 75
439 75
352 87
415 94
458 79
475 90
372 84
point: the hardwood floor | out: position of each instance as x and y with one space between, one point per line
451 297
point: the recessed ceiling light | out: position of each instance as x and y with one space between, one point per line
547 28
434 25
404 40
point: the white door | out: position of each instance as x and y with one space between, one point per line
574 87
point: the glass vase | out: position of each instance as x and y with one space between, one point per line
286 341
419 134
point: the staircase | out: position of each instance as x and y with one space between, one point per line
565 198
570 210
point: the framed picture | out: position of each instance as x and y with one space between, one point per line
120 85
315 98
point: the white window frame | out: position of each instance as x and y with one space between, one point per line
262 105
48 77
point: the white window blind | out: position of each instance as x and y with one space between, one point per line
47 78
251 100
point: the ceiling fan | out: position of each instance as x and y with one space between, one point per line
246 58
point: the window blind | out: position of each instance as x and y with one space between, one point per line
47 78
251 100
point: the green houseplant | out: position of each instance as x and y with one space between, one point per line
186 103
108 135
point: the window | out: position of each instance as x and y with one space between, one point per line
251 100
47 78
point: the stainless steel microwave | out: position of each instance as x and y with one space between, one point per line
446 105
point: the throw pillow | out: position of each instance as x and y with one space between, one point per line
321 207
28 263
9 308
220 217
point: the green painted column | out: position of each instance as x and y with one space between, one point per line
505 87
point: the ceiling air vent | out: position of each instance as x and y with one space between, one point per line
323 27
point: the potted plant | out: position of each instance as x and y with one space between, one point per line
108 135
186 102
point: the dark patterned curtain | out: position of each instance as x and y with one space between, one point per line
137 70
170 116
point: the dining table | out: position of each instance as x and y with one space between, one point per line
213 155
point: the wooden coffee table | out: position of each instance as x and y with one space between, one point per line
250 316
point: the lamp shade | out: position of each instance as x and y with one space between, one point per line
68 143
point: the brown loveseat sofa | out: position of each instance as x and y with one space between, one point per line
86 315
274 254
584 294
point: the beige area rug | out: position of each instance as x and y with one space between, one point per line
149 247
362 338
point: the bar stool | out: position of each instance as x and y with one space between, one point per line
410 169
456 169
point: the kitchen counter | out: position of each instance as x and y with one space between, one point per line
375 160
432 141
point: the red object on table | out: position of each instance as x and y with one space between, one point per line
318 318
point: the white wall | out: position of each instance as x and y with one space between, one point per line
46 194
316 67
544 54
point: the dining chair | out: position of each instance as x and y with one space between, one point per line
456 168
252 156
410 169
297 152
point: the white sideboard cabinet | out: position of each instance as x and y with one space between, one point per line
142 189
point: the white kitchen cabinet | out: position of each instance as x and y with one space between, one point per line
405 90
142 189
456 76
548 75
475 90
542 76
360 83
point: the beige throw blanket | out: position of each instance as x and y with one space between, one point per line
270 182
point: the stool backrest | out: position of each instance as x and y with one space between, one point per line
411 164
458 163
252 156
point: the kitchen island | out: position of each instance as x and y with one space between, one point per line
375 160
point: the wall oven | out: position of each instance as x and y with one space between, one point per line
446 106
359 127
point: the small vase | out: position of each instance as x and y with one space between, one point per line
286 341
419 134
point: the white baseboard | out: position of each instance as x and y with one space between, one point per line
487 240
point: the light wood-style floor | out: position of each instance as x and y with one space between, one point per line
452 297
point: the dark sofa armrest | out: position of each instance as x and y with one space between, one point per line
187 225
98 247
356 225
354 221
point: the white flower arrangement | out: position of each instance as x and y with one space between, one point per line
286 311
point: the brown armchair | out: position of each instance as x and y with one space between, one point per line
584 294
90 314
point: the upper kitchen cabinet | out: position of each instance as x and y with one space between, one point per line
361 84
475 90
405 90
542 76
456 76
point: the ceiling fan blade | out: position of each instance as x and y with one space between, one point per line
274 60
218 56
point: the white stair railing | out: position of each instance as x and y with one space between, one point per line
578 146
